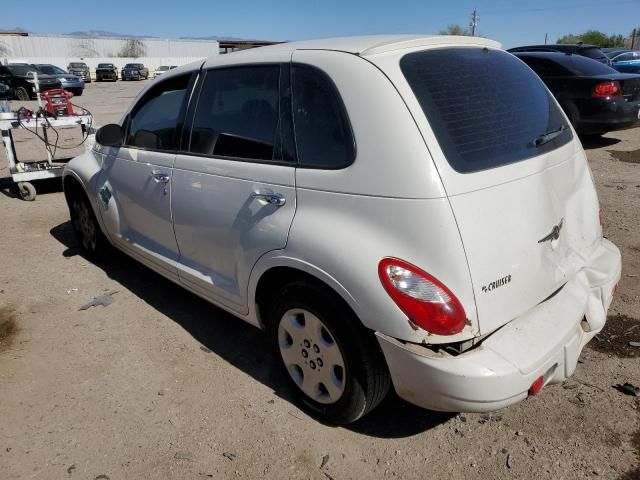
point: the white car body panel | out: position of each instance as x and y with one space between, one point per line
221 228
400 198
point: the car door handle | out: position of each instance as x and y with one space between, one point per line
276 199
160 177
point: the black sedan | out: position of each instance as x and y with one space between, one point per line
596 98
590 51
20 78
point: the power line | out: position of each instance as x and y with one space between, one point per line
474 23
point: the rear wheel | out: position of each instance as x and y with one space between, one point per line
335 365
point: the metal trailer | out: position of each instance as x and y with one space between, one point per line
25 173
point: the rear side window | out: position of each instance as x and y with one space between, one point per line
486 108
153 123
237 113
322 130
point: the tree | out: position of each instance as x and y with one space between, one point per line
455 30
594 37
569 38
133 48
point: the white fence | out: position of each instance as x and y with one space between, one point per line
84 47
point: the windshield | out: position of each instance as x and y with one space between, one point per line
105 65
163 68
51 69
133 65
21 70
78 65
486 108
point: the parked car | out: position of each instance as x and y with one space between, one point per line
590 51
135 71
106 71
22 82
455 253
71 83
613 51
596 98
160 70
80 69
627 62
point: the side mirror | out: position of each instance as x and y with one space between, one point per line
110 135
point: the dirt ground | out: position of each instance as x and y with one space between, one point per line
160 384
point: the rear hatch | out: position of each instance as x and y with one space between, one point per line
517 181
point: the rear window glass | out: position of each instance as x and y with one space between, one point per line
584 66
592 53
486 108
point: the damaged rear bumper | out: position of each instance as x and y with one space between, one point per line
546 341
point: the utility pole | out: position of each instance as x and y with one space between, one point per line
633 39
545 38
474 23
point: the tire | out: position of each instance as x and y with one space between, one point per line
85 225
26 191
317 337
22 94
77 92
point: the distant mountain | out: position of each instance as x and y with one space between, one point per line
13 30
103 33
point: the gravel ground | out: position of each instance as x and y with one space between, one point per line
160 384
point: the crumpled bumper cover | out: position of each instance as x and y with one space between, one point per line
546 341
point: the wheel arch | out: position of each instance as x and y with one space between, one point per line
273 273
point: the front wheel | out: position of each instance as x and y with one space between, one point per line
85 226
335 365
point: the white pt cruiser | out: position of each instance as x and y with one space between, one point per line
413 211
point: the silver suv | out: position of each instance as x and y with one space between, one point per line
414 211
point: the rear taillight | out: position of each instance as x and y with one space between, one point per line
424 299
607 89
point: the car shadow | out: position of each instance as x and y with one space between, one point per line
239 343
590 142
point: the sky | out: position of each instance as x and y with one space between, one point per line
512 23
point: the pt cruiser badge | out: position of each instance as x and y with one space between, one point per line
497 283
555 233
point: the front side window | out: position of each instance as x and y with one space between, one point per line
324 138
485 107
238 112
153 123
